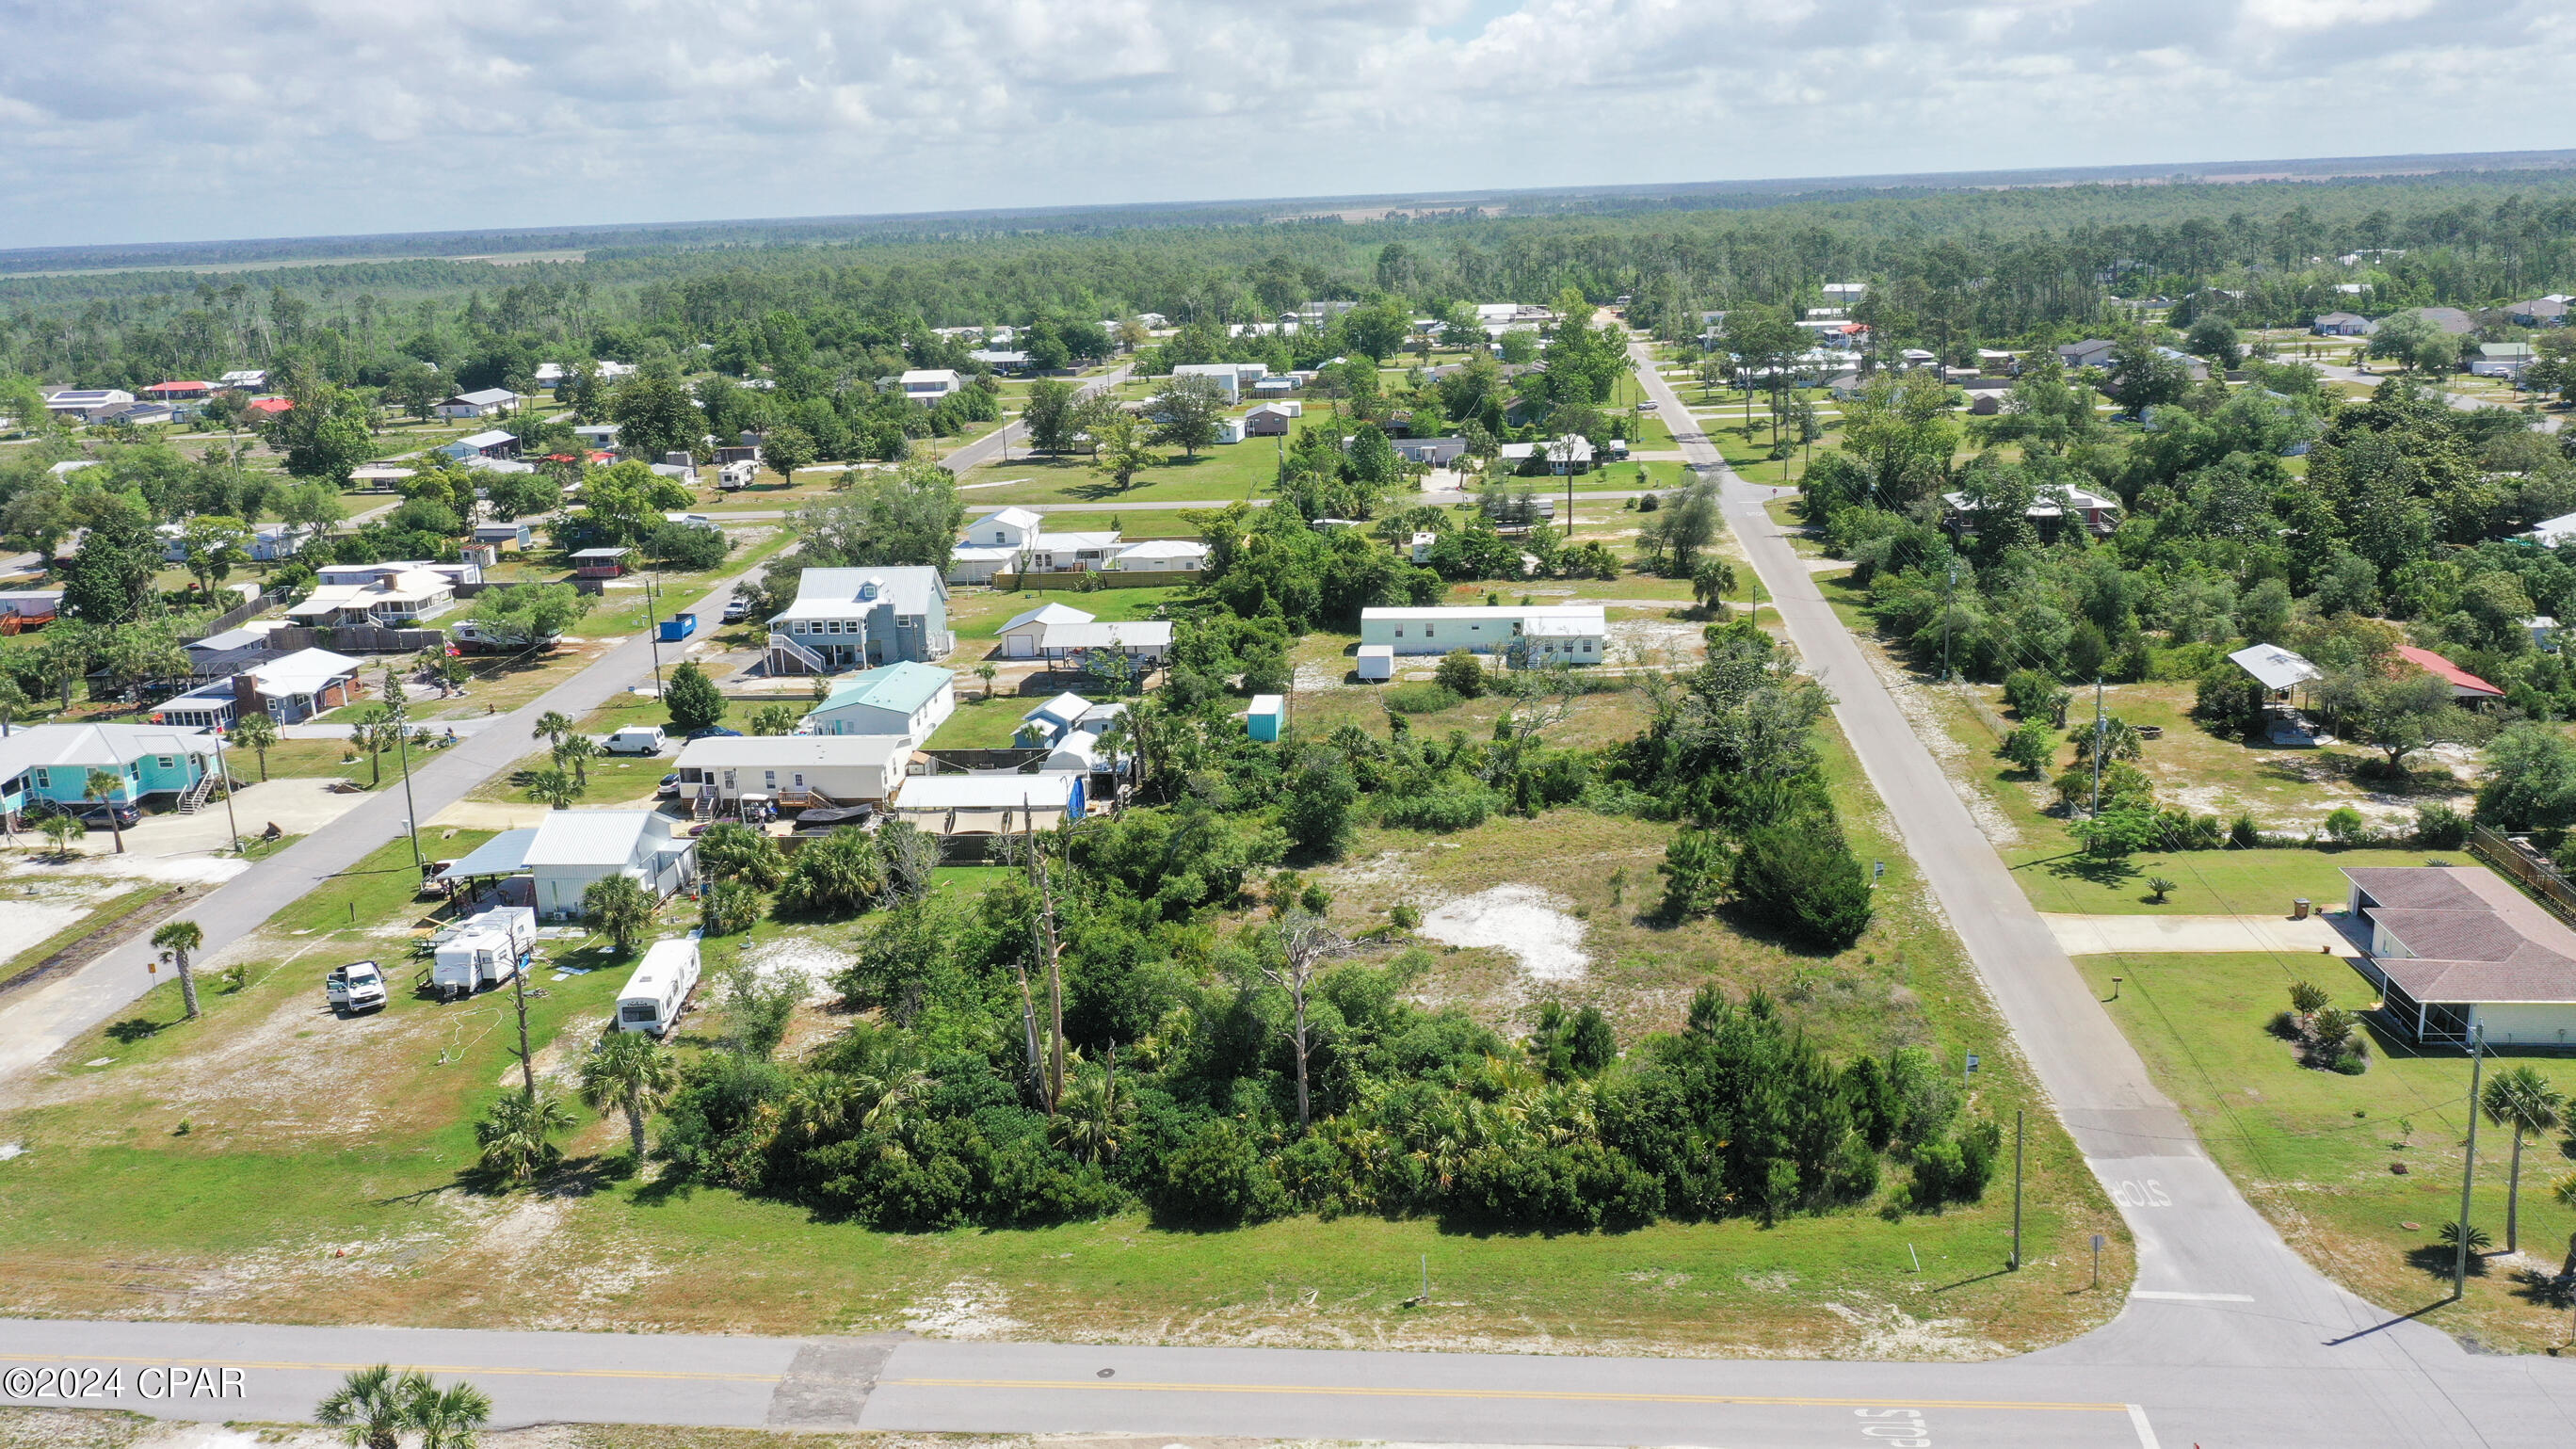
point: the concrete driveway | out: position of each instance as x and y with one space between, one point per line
297 806
2148 935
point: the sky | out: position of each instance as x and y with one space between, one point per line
148 120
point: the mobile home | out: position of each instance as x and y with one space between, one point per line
488 949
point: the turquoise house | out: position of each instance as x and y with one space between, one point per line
53 762
905 698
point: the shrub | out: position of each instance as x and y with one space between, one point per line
2346 827
1956 1168
2159 887
2242 831
2228 701
1404 916
1420 698
2036 697
1694 869
1217 1179
2439 827
1802 878
1461 674
1464 808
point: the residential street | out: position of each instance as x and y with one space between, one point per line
42 1020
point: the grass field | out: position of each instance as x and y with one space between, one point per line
2320 1153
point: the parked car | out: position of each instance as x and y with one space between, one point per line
715 732
92 813
670 784
737 609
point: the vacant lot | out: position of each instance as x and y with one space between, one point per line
274 1162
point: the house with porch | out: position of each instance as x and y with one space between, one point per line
794 771
2457 951
1060 632
53 763
573 848
393 599
860 618
484 403
1015 540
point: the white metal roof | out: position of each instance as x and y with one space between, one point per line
306 671
773 752
588 837
1590 613
1048 614
2273 666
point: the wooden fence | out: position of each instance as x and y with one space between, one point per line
2528 869
230 618
356 639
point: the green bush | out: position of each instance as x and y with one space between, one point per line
1800 877
1217 1179
1461 674
1462 808
2439 827
1419 698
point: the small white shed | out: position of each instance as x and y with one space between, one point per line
1377 661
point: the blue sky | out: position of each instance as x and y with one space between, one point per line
156 121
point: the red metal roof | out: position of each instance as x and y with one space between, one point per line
181 387
271 404
2432 663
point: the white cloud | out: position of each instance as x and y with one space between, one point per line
272 117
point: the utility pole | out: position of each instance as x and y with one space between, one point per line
2097 744
527 1062
2016 1257
1947 585
402 742
1055 973
230 819
2468 1171
652 628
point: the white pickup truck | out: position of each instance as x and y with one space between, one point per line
358 986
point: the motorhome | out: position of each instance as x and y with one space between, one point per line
358 986
488 949
659 989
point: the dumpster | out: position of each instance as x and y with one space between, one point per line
679 626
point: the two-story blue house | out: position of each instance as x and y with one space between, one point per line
861 618
53 762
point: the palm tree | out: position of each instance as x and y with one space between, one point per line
2520 1098
181 939
62 830
448 1418
513 1137
619 908
553 788
552 726
985 672
13 702
103 785
259 732
577 751
631 1073
370 1406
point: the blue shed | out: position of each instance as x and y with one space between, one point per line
1266 713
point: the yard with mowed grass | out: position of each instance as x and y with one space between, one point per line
322 1175
2320 1153
976 612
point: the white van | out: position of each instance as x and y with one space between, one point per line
486 950
636 740
660 987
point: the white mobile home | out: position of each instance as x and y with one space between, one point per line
659 990
1524 634
486 950
795 770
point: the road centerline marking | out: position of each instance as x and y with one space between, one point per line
1595 1396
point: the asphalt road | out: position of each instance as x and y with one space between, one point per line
989 447
41 1021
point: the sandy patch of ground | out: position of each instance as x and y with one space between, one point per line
2145 935
1889 1332
33 917
967 1308
30 865
1530 923
1653 643
801 958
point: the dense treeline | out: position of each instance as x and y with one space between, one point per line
1950 268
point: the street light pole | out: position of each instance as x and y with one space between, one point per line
402 740
230 818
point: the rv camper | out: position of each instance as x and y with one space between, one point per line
660 987
490 948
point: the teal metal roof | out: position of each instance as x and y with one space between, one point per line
901 688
